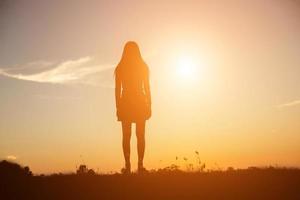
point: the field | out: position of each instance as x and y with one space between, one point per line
253 183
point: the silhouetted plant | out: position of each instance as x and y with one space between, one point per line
83 169
197 166
186 162
201 166
27 171
190 167
173 168
230 169
91 172
13 169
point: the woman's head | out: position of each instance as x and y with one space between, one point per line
131 52
131 60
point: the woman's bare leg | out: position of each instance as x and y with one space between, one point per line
140 134
126 129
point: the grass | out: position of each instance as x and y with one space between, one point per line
17 182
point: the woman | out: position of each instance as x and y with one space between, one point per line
133 100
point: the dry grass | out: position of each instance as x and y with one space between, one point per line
167 183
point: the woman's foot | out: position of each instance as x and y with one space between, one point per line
126 169
141 169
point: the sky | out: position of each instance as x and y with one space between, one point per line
224 75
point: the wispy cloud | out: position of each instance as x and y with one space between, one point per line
71 71
38 65
289 104
11 157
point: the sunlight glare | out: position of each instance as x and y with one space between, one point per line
186 69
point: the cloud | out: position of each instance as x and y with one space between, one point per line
11 157
71 71
289 104
31 67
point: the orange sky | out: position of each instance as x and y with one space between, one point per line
240 107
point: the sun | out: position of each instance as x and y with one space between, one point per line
186 69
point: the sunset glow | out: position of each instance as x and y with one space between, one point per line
224 77
187 69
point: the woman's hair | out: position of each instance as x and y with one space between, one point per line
131 61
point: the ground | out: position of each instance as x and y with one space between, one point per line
251 183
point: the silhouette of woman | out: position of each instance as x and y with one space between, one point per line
133 100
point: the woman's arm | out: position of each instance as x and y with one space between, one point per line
147 89
117 90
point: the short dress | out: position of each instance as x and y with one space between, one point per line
133 106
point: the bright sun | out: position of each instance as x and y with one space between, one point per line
186 69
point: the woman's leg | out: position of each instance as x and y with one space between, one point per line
140 134
126 129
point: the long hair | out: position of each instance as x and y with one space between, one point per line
131 63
